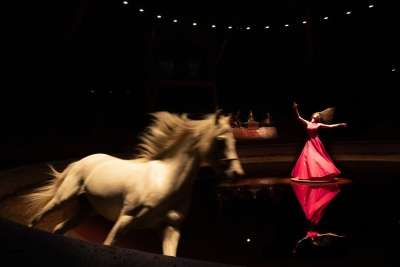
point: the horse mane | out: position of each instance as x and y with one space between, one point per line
169 129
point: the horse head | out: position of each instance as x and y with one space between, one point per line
222 154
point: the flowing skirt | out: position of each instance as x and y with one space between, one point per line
314 162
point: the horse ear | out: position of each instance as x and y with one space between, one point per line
218 114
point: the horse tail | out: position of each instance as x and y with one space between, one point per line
43 194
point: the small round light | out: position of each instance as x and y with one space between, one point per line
141 10
125 2
286 25
248 240
394 69
348 13
175 21
230 27
371 6
304 22
326 18
248 28
267 27
213 26
159 16
194 24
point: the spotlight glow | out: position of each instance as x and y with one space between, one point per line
230 27
348 13
213 26
371 6
175 21
159 16
267 27
141 10
286 25
248 240
125 2
194 24
248 28
304 22
326 18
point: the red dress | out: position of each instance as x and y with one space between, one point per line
314 162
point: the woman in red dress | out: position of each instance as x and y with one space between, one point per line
314 163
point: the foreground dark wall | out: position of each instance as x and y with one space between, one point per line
22 246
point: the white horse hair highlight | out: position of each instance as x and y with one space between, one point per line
169 129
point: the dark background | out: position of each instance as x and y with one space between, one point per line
76 73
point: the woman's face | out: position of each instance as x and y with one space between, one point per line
315 117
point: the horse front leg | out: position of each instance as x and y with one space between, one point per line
171 239
172 234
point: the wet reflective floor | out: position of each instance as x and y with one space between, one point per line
256 225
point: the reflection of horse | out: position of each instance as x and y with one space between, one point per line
154 188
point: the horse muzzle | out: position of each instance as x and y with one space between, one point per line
235 169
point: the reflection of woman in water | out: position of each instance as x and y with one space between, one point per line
314 162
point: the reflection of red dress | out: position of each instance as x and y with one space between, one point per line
314 162
315 199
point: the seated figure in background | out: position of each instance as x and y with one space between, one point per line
235 120
251 123
267 122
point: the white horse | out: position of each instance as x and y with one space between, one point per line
152 189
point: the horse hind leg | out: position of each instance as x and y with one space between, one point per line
119 228
123 224
68 190
78 215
